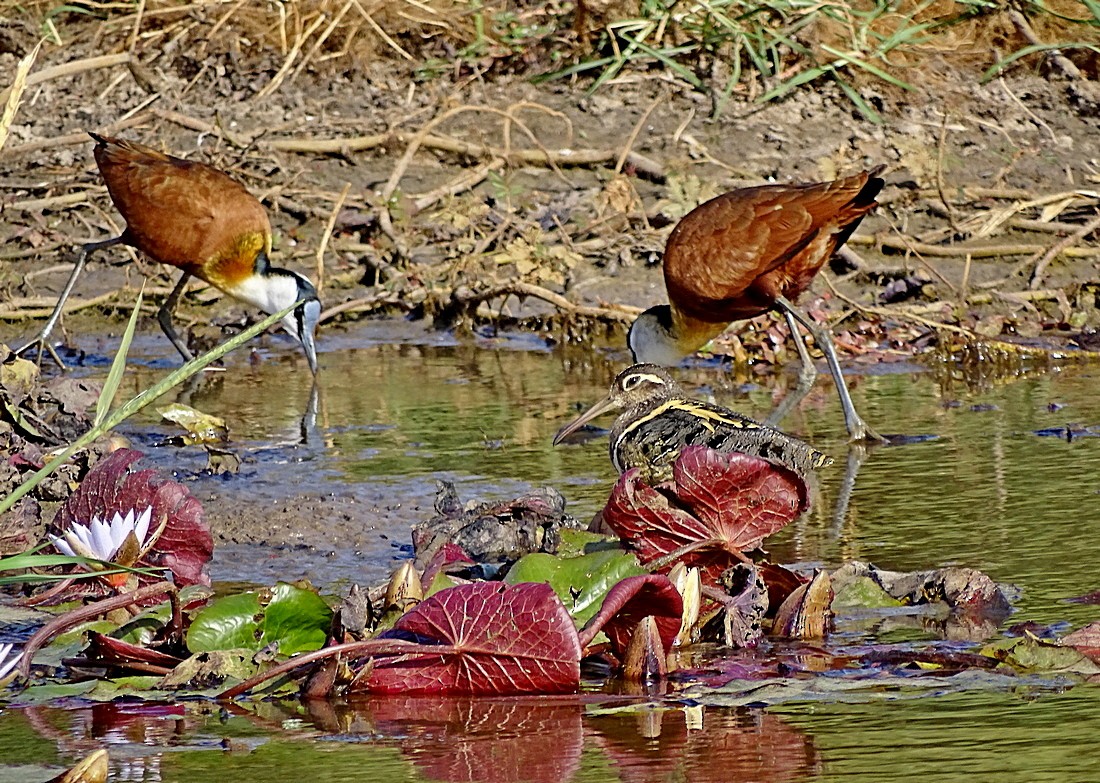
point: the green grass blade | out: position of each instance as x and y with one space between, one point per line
864 107
805 77
147 397
996 69
118 366
665 57
886 77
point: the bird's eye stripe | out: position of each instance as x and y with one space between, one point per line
634 380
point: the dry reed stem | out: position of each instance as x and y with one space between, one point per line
321 40
53 202
283 71
637 129
15 92
26 307
326 235
467 180
619 314
960 251
71 69
562 157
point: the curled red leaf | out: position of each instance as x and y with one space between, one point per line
718 505
628 603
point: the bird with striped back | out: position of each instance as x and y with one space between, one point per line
196 218
750 251
658 419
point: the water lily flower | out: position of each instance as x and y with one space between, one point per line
99 540
6 663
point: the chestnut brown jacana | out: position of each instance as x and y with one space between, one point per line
198 219
749 251
658 419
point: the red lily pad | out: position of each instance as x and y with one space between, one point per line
184 546
482 638
718 505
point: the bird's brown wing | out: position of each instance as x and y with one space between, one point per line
719 251
182 213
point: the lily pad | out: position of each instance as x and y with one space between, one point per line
294 618
581 583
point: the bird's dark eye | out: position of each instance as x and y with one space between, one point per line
631 381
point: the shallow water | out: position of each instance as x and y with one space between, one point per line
398 408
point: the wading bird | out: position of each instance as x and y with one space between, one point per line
750 251
658 419
197 219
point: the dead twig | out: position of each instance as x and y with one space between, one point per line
323 245
1061 62
1057 248
961 251
619 314
467 180
71 69
562 157
364 304
26 307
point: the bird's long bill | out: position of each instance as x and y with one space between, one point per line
600 408
305 318
311 351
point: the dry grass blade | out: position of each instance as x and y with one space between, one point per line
15 92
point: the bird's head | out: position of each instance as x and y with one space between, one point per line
635 386
280 289
651 340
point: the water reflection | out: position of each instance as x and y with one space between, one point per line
546 740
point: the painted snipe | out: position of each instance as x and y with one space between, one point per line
750 251
658 419
197 219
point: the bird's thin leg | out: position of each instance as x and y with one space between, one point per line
164 317
42 340
857 428
807 374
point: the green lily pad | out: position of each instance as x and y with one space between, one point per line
580 582
295 618
863 592
1032 654
575 543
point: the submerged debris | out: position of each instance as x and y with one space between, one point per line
495 531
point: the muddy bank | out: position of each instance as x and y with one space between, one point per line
453 224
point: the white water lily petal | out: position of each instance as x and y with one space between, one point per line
7 663
141 528
62 546
120 527
101 541
80 539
